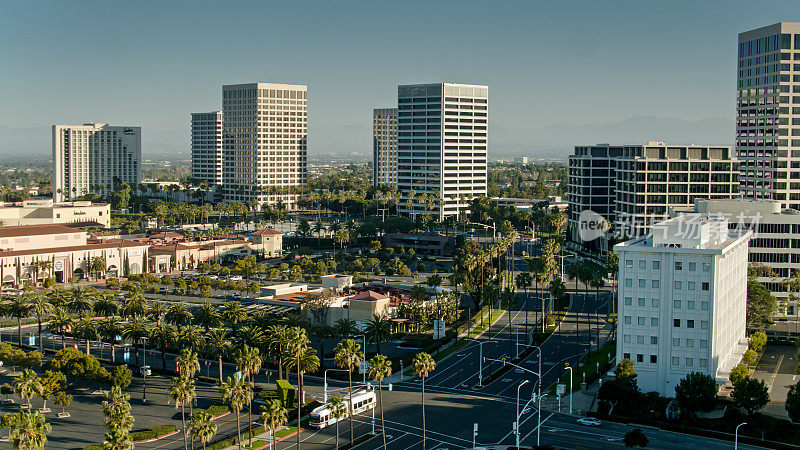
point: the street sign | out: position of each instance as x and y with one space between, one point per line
561 388
438 329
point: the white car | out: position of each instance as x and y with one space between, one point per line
235 278
589 421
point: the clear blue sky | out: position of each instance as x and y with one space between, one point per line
546 62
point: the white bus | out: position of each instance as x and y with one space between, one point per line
321 416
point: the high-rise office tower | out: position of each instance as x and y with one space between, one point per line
264 138
441 147
94 157
207 147
384 146
768 113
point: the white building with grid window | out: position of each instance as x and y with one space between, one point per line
94 157
441 146
682 301
384 147
207 147
264 142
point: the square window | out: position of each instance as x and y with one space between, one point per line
628 282
691 285
678 265
639 357
628 301
654 321
675 360
653 340
705 285
676 304
626 356
690 342
627 320
690 304
676 342
689 361
642 264
656 284
642 282
703 324
676 323
639 339
677 285
656 265
703 362
690 324
641 302
640 320
629 264
706 267
653 359
704 306
703 343
626 338
656 303
692 267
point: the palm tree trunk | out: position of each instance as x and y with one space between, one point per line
183 424
63 341
39 320
113 354
350 402
87 347
220 369
299 399
163 358
380 400
238 431
423 413
337 435
250 414
19 330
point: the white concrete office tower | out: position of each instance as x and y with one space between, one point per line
94 157
768 113
441 146
775 242
682 298
264 138
207 147
645 181
384 147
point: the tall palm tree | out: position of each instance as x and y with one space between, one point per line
118 439
380 368
18 306
273 416
233 314
29 431
248 360
162 336
136 306
378 330
39 306
136 330
60 322
276 340
252 336
79 301
297 344
348 356
202 426
423 364
190 337
178 315
236 393
187 363
338 410
207 316
156 311
309 362
109 329
106 305
86 329
345 327
181 391
217 346
27 385
117 409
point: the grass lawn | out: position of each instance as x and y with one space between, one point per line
588 365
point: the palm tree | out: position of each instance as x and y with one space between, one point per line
27 385
297 344
321 332
162 336
18 306
79 301
39 306
136 306
233 314
348 356
29 431
109 329
178 315
248 360
207 316
252 336
202 426
273 416
190 337
187 363
156 311
217 346
86 329
338 410
345 327
378 330
60 322
136 330
380 368
423 364
236 393
106 305
277 338
181 391
118 439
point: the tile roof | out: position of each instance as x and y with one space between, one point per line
369 296
264 231
35 230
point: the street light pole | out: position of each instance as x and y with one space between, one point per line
570 387
480 358
736 436
325 384
516 418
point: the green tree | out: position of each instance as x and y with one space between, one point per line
19 307
40 307
750 357
348 356
750 394
738 373
63 400
118 439
236 393
117 409
273 416
29 431
758 341
248 360
52 382
635 438
27 385
182 392
338 410
202 426
378 330
60 322
379 368
761 305
696 392
423 364
624 370
121 376
793 403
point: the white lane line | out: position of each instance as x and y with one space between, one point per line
427 432
391 441
534 428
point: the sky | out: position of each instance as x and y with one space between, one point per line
559 73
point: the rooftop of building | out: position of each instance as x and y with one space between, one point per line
266 231
701 232
369 295
90 245
35 230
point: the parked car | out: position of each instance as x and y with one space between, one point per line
589 421
236 296
235 278
162 290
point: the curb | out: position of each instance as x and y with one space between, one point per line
155 439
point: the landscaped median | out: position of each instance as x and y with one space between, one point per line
140 437
587 369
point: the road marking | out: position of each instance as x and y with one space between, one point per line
774 374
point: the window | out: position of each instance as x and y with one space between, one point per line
677 285
656 284
640 321
706 267
626 338
653 340
705 285
628 282
676 304
654 321
639 357
641 302
703 324
653 359
689 361
703 362
678 265
703 343
626 356
676 323
629 264
628 301
640 339
655 302
690 304
690 324
642 264
675 360
690 342
692 267
656 265
704 306
691 285
676 342
627 320
642 282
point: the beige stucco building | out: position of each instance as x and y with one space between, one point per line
45 211
267 241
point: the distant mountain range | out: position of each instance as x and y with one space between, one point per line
550 142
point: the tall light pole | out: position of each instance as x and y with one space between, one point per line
480 359
325 384
736 436
570 386
516 418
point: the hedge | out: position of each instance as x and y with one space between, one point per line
217 410
152 433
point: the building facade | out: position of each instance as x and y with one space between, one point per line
768 113
384 147
41 212
94 157
682 302
207 147
644 181
442 144
264 142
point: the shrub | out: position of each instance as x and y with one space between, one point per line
152 432
74 364
757 341
738 373
217 410
750 357
286 393
121 376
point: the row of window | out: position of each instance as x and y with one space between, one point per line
676 323
676 360
692 266
677 284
